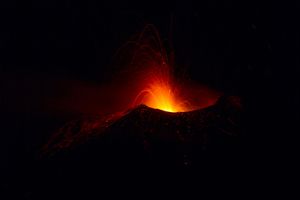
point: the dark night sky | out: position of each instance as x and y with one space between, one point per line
250 49
218 40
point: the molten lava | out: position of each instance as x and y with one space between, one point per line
161 92
159 89
162 96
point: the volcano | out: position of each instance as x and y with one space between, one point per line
152 132
170 127
144 148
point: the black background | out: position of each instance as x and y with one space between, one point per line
244 48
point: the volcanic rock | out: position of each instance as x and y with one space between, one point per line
152 133
143 149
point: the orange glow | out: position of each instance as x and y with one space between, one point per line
150 78
160 91
161 96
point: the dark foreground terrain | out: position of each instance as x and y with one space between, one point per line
144 150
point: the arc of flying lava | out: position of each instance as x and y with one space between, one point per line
160 94
160 90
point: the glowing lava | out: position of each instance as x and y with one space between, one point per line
161 96
159 89
161 92
146 75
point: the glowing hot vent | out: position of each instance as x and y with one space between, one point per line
161 96
159 90
161 93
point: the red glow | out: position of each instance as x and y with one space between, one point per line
161 92
159 89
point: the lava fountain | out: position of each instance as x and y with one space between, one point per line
161 92
158 87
